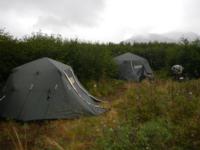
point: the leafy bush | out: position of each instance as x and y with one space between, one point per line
90 62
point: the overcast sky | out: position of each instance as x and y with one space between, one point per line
99 20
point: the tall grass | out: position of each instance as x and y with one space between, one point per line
162 114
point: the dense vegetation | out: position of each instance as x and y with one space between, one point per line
94 57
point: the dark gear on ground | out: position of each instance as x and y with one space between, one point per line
177 71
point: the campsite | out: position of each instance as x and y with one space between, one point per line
158 113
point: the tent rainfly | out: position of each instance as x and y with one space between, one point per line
133 67
45 89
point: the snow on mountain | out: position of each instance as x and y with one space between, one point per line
167 37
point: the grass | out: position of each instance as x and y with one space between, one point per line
161 114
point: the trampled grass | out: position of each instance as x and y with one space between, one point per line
160 114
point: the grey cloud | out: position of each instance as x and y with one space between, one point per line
191 15
56 12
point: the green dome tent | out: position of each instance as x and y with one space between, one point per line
133 67
45 89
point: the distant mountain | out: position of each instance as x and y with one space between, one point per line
167 37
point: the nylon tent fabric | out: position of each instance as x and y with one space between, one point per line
133 67
45 89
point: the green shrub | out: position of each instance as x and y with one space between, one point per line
154 134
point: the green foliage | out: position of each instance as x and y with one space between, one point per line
161 114
90 62
93 61
103 88
154 134
190 58
116 138
156 115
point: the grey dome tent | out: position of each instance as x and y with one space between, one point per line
45 89
133 67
